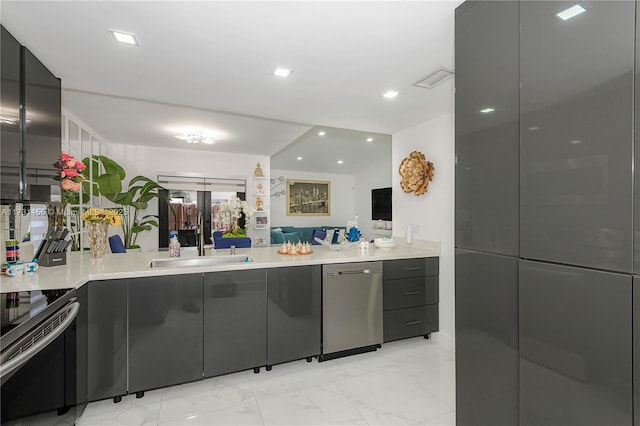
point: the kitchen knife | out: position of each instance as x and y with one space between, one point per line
43 248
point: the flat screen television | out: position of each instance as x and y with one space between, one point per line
381 204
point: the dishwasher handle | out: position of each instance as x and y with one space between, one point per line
40 338
356 272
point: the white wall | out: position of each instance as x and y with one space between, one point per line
148 161
374 176
342 200
433 211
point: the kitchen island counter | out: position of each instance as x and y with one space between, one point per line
81 268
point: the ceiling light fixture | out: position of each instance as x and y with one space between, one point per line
487 110
321 133
435 78
126 38
572 12
340 161
282 72
299 158
369 139
390 94
196 138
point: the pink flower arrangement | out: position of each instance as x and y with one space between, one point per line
70 175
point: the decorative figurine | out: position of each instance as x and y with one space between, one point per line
259 203
258 171
416 173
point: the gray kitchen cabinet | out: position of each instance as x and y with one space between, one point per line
294 313
11 146
486 125
636 350
576 134
637 147
575 346
106 339
486 339
165 331
235 321
410 297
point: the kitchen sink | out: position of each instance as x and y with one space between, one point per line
198 261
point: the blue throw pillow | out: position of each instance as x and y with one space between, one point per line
277 237
292 237
319 233
287 229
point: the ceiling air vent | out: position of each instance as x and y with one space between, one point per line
435 78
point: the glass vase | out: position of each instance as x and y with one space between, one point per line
97 233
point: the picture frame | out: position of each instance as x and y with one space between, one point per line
262 220
308 197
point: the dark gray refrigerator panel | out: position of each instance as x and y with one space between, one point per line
636 350
486 126
576 131
10 127
165 331
575 346
235 321
486 339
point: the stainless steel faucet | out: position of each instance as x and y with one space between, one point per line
200 232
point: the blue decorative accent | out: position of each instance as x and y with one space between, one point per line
116 245
318 233
354 234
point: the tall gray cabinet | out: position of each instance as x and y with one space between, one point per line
554 99
487 212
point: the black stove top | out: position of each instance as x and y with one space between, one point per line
16 308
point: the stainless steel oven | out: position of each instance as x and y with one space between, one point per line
39 371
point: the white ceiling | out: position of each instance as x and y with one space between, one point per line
209 65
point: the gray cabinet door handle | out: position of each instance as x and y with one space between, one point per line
413 322
416 268
412 293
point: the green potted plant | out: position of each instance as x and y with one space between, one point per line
140 191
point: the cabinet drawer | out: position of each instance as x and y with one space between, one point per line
410 322
409 292
410 268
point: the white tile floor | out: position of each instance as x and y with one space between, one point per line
406 382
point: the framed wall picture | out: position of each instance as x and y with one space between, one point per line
262 220
308 197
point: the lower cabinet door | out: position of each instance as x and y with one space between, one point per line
486 339
165 331
636 348
106 339
294 313
575 346
235 321
410 322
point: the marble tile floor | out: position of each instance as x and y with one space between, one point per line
406 382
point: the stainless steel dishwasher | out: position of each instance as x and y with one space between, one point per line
351 308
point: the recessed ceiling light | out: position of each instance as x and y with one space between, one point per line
126 38
321 133
390 94
299 158
487 110
282 72
340 161
369 139
571 12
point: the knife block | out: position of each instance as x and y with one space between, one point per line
53 259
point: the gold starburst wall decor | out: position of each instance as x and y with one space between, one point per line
416 173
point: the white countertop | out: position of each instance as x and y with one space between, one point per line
81 268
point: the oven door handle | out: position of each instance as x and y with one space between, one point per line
27 347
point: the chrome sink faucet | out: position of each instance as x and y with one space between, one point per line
200 233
